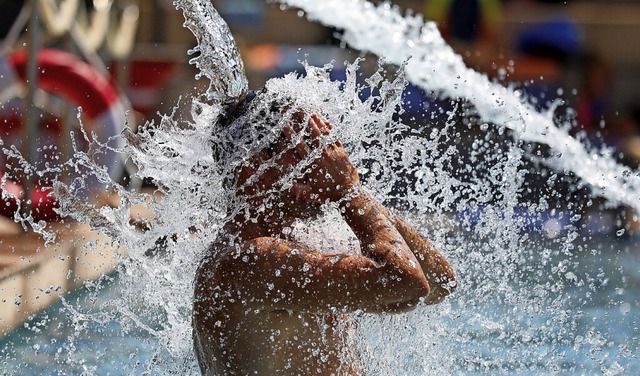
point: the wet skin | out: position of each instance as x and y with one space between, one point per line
266 305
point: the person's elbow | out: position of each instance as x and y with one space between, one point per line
418 289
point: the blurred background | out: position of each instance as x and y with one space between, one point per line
132 56
588 48
126 62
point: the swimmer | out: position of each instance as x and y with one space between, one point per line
266 305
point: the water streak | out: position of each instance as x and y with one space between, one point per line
434 66
219 59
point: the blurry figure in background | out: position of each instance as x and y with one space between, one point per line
557 37
549 56
597 115
242 13
594 97
554 55
602 128
472 27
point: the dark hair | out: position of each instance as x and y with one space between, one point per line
233 110
242 126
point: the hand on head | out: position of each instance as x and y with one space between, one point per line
326 174
331 176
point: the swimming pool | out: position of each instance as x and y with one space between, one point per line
603 336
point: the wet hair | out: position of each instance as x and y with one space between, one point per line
234 110
244 128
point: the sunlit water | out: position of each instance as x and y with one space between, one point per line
539 291
433 65
485 338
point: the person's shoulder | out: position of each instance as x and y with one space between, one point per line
229 264
221 253
213 257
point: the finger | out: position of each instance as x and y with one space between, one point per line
297 120
313 133
288 159
298 116
303 150
288 132
328 125
284 143
268 179
323 125
257 159
315 124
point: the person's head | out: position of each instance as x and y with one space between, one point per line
264 178
267 181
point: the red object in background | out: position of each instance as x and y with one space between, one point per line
64 74
71 78
43 202
147 80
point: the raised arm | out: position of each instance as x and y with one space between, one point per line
265 271
435 267
271 273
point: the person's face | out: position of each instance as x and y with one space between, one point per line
260 179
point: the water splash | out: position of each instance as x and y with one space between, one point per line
219 59
189 206
496 321
434 66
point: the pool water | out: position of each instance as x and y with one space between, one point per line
80 337
72 338
596 325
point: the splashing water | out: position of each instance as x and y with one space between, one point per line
530 297
434 66
219 59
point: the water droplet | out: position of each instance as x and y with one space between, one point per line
625 308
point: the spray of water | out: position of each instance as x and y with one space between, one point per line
435 67
519 283
218 56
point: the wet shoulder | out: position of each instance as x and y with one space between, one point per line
212 260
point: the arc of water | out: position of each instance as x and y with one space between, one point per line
434 66
219 58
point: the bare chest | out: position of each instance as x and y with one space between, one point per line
281 343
